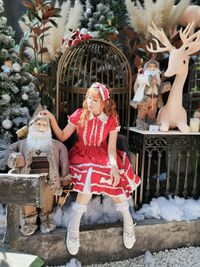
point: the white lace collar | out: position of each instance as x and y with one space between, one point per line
102 116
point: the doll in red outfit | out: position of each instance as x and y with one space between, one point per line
96 166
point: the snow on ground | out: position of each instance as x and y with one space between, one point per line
98 212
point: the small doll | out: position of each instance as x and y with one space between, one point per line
147 87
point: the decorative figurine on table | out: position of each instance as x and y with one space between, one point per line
39 153
173 115
147 87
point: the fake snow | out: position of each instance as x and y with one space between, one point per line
98 212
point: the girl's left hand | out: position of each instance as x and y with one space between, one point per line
115 176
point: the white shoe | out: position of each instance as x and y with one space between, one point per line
129 236
73 243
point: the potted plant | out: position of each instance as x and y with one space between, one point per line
39 18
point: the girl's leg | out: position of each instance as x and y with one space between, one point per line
79 207
128 226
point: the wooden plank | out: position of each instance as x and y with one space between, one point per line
22 189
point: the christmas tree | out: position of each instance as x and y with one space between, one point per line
99 19
18 95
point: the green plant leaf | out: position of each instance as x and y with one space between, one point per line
48 14
57 11
39 12
53 2
53 23
43 36
28 5
37 30
45 29
30 46
26 35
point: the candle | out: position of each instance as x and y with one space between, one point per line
194 125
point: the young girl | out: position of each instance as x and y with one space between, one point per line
96 166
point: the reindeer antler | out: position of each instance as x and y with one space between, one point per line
190 43
160 35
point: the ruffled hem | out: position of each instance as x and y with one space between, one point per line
95 179
104 192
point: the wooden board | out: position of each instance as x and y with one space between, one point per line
22 189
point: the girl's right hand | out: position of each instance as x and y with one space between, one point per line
47 114
115 175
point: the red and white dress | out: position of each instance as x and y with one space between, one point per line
88 159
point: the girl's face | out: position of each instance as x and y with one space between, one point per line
94 103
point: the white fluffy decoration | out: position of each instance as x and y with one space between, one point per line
7 124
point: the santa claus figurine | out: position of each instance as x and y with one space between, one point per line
147 89
39 153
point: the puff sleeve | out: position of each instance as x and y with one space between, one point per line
114 125
75 116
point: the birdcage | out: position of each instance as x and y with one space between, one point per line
92 61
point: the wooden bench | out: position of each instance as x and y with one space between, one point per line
16 190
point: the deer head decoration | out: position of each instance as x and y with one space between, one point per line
173 114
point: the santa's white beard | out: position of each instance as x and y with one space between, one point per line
39 140
153 73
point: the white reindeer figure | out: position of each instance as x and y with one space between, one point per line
173 114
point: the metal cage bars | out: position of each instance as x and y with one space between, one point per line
88 62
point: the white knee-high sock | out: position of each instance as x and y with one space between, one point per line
123 208
74 223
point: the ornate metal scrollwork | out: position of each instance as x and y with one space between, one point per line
168 164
